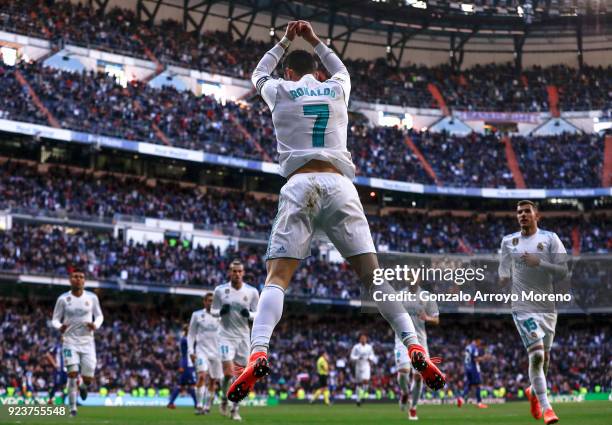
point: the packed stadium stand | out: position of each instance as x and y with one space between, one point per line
139 348
481 87
65 203
96 103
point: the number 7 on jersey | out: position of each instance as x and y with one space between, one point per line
321 111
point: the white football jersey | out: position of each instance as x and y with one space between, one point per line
310 117
75 313
545 245
234 325
415 308
202 335
362 355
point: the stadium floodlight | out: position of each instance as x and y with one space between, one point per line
467 8
418 4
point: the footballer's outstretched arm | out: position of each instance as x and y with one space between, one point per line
264 84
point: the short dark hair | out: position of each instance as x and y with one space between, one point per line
76 268
527 202
301 62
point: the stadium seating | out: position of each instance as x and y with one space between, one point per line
95 103
138 347
24 187
488 87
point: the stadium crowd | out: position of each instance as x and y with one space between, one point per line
96 103
486 87
75 192
544 160
137 347
48 250
460 161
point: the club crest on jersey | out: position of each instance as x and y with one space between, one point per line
86 303
68 299
515 241
227 291
540 246
245 298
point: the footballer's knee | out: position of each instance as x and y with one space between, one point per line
73 374
417 377
365 266
88 379
280 271
536 357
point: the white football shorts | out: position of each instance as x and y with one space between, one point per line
236 350
324 203
81 357
362 373
536 327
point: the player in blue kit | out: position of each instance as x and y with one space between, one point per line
55 357
187 374
471 364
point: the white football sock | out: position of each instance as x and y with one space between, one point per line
269 312
72 393
225 383
394 313
537 378
417 386
211 398
402 379
200 391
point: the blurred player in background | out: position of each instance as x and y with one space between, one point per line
422 313
77 315
55 357
534 259
186 379
203 350
323 384
311 120
361 355
473 355
235 303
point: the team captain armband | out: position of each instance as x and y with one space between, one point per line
261 82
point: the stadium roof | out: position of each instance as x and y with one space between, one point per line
401 21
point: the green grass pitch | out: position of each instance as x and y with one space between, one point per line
587 413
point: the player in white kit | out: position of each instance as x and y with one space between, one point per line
311 119
534 259
203 349
422 313
235 303
77 315
362 355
